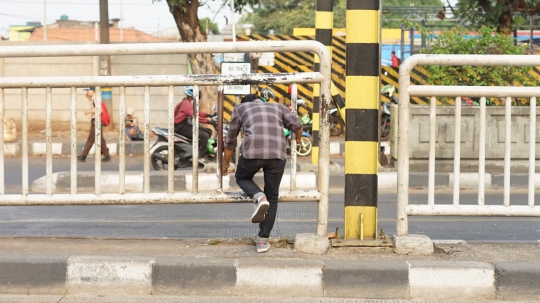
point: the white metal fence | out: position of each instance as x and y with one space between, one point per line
456 209
121 197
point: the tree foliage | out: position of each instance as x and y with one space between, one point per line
394 20
460 41
500 14
185 15
282 16
212 26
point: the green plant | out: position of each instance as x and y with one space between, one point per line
460 41
284 240
213 241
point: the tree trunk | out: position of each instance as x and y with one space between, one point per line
190 30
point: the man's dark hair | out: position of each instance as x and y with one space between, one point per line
393 52
249 98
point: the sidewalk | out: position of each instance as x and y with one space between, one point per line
156 268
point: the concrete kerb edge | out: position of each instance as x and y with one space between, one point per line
329 278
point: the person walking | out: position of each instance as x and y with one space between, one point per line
395 60
183 123
264 146
90 94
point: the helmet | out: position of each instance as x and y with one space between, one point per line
267 94
188 90
388 90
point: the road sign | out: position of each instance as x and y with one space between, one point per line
236 68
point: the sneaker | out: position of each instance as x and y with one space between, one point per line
106 159
260 210
262 245
81 158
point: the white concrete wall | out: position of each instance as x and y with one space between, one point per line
87 66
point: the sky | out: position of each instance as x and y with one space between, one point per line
141 14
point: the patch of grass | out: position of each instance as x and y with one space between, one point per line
283 241
213 241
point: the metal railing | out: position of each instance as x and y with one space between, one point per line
456 209
121 197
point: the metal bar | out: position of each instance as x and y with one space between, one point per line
294 97
457 151
122 142
170 143
432 134
219 157
164 49
159 80
146 178
24 141
151 198
48 140
324 142
482 153
402 222
473 210
472 60
97 142
473 91
532 150
73 140
195 142
2 162
507 148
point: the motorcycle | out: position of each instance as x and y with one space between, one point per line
337 126
305 146
388 91
307 122
182 149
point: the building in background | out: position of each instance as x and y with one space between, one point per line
66 30
22 32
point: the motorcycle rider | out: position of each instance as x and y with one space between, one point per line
183 123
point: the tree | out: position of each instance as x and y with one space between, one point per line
212 27
395 12
500 14
185 15
460 41
282 16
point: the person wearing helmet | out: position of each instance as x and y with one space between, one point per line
183 122
264 146
267 94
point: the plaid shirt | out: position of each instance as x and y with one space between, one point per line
263 125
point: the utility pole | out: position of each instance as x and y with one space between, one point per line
121 21
104 61
44 20
233 23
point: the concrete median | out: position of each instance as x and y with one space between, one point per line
272 277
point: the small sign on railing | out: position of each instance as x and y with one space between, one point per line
236 68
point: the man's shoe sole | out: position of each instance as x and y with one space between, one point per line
260 212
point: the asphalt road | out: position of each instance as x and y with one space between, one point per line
232 220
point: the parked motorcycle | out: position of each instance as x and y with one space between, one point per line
337 126
389 91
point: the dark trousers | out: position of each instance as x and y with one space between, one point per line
92 138
185 129
273 172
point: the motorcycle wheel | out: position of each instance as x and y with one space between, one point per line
157 163
304 148
336 126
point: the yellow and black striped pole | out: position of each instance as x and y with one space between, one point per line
362 112
324 22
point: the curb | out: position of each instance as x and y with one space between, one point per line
183 180
410 280
136 148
